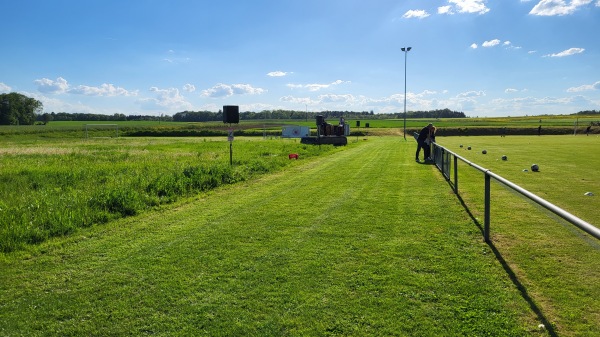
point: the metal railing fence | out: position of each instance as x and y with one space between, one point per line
447 162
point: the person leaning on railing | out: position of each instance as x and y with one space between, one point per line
424 140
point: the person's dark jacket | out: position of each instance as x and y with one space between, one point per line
423 134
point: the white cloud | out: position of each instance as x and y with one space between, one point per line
219 90
427 93
174 59
491 43
316 86
552 105
333 101
243 89
256 107
49 86
55 104
189 87
494 43
226 90
470 94
278 74
474 102
558 7
177 60
468 6
169 99
445 10
509 45
297 100
513 90
568 52
347 98
4 87
415 13
61 86
585 87
103 90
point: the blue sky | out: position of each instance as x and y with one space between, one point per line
153 57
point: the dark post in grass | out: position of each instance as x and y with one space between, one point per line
231 114
486 220
230 139
456 174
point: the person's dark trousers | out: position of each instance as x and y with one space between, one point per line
421 144
426 150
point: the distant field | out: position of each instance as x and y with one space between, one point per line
568 166
447 126
510 122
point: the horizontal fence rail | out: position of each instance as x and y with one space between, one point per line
446 159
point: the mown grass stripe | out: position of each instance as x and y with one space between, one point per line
361 242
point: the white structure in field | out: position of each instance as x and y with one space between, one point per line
295 131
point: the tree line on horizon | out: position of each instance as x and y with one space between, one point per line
208 116
88 117
18 109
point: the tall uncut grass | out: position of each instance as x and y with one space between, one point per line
52 187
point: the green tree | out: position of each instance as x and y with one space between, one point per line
17 109
47 118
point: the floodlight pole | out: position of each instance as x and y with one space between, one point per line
405 50
306 106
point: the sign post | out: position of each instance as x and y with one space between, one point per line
231 114
230 139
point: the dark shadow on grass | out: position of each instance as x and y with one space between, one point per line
511 274
515 280
464 205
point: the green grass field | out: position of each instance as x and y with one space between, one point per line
356 241
553 259
568 166
517 125
52 187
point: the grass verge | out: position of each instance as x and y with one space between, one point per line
52 188
362 242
